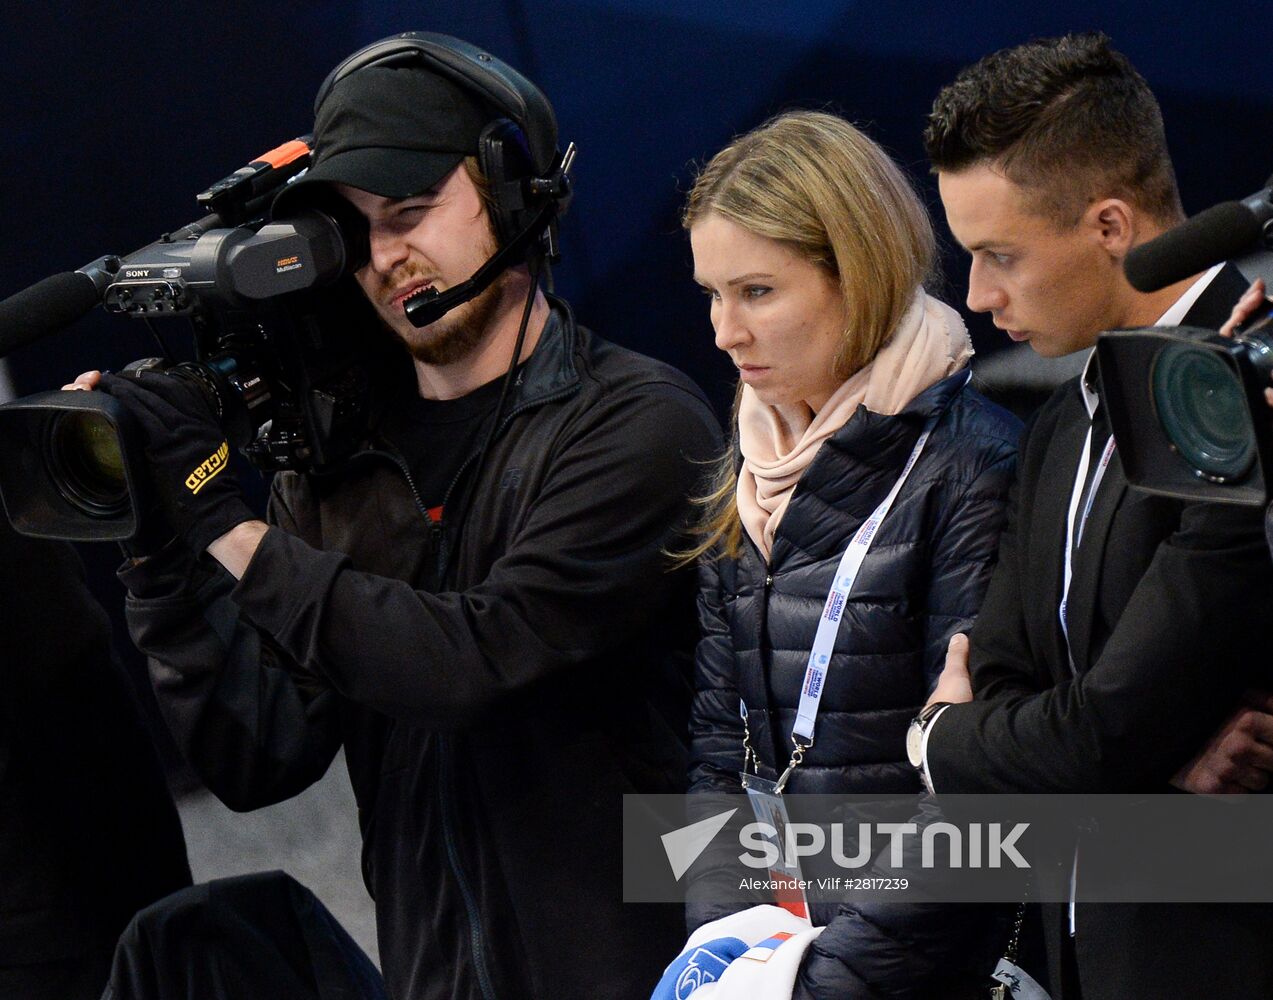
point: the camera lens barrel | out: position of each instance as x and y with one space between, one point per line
86 451
1201 397
241 395
85 460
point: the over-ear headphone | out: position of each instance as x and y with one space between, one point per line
517 151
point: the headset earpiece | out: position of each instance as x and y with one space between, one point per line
505 162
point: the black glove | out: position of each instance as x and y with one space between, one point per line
187 453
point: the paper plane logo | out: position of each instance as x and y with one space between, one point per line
684 845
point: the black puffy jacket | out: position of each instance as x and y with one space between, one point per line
923 580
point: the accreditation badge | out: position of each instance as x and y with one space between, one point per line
770 810
1016 983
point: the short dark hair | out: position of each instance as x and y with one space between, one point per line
1067 118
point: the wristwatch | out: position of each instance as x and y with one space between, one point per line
915 734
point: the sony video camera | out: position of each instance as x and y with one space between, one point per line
272 352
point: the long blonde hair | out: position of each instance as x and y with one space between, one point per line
819 186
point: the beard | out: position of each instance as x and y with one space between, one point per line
459 332
452 336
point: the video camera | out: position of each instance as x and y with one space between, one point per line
271 346
1185 404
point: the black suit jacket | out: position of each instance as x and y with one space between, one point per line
1169 615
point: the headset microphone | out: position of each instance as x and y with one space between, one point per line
429 305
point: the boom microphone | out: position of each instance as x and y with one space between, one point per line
46 307
1230 229
430 305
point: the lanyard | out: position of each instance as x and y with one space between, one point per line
841 584
1071 538
846 573
833 609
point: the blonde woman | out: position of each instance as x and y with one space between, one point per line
813 249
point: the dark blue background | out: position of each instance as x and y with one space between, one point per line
114 117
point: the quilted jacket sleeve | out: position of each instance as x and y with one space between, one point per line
964 548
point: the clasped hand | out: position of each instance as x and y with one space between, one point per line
954 686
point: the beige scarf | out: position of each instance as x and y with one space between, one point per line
930 343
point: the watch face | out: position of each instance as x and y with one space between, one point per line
915 744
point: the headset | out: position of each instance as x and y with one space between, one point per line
529 180
529 176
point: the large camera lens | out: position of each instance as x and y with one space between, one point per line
85 462
1202 408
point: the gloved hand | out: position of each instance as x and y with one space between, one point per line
187 453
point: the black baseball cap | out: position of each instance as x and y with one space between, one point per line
393 130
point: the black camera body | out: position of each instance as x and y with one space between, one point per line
1187 409
271 349
274 350
1186 405
231 266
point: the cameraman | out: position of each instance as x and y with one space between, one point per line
487 624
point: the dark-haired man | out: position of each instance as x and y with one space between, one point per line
1119 628
477 607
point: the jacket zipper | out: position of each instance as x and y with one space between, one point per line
443 550
438 528
401 464
476 940
765 657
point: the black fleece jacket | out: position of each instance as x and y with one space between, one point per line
491 724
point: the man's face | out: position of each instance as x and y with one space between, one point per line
1053 286
435 239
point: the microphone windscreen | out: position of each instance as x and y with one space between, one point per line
1229 229
44 308
430 305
